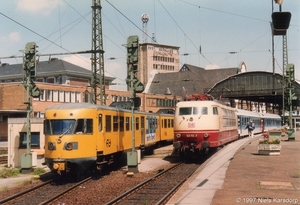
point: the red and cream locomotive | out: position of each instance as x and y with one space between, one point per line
201 123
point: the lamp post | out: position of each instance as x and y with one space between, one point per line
280 24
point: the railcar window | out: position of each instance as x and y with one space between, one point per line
84 126
195 110
215 111
143 122
121 123
165 123
115 123
172 121
127 123
58 127
108 123
169 123
137 123
204 111
150 123
100 123
185 111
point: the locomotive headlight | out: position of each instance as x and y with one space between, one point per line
51 146
178 135
69 146
55 166
205 135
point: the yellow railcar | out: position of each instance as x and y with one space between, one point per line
79 135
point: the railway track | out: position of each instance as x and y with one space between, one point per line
43 193
159 188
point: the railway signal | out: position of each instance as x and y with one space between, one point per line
290 73
133 52
29 66
290 78
30 59
136 87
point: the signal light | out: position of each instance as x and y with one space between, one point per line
30 58
290 72
133 52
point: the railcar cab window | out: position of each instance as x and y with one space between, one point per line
58 127
204 111
84 126
65 127
190 110
215 111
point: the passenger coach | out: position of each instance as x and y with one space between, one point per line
263 122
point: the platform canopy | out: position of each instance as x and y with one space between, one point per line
258 86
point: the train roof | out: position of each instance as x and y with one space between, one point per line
72 106
257 114
248 113
270 115
203 103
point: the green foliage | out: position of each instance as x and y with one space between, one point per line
14 172
38 171
10 172
268 141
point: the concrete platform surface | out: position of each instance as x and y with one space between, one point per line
237 174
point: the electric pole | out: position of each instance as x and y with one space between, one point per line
97 59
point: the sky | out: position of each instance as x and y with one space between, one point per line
226 32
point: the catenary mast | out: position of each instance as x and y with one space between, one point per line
97 60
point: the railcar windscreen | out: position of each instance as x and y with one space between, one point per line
185 111
58 127
192 111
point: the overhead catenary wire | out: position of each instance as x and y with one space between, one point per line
182 30
127 18
68 51
52 42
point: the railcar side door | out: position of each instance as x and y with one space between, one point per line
262 124
143 130
150 137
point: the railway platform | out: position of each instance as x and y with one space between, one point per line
237 174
